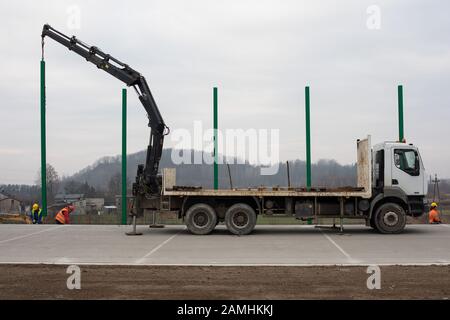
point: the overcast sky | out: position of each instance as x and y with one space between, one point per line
260 54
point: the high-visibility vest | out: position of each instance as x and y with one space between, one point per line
433 216
60 216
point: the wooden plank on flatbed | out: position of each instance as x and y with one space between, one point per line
265 193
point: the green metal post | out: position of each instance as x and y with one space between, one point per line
401 135
124 156
308 140
216 151
43 144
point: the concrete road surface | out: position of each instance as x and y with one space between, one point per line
267 245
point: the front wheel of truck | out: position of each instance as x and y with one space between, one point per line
390 218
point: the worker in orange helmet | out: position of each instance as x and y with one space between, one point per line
433 215
62 217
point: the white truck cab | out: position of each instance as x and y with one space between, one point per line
398 183
399 165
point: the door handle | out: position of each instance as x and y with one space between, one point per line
394 181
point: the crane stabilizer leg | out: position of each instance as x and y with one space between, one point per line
133 232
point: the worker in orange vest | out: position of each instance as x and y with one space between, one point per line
62 217
433 215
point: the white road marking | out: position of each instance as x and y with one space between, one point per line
338 247
139 261
445 225
29 235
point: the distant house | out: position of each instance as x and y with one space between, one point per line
110 209
69 197
94 205
9 204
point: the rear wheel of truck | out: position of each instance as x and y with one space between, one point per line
240 219
201 219
390 218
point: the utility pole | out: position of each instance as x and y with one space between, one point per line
436 193
308 140
124 156
401 135
43 143
215 125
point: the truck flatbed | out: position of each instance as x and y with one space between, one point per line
363 188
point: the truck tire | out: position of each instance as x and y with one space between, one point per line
390 218
240 219
372 223
201 219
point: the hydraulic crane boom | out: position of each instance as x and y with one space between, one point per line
147 184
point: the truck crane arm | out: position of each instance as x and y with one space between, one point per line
147 184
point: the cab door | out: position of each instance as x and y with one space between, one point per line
407 171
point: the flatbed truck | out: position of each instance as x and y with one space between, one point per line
391 185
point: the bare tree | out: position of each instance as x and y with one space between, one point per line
114 185
53 182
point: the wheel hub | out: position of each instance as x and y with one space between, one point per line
390 218
240 219
201 219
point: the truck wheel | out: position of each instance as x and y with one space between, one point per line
201 219
240 219
390 218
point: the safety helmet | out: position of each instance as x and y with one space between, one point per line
35 206
433 204
70 207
